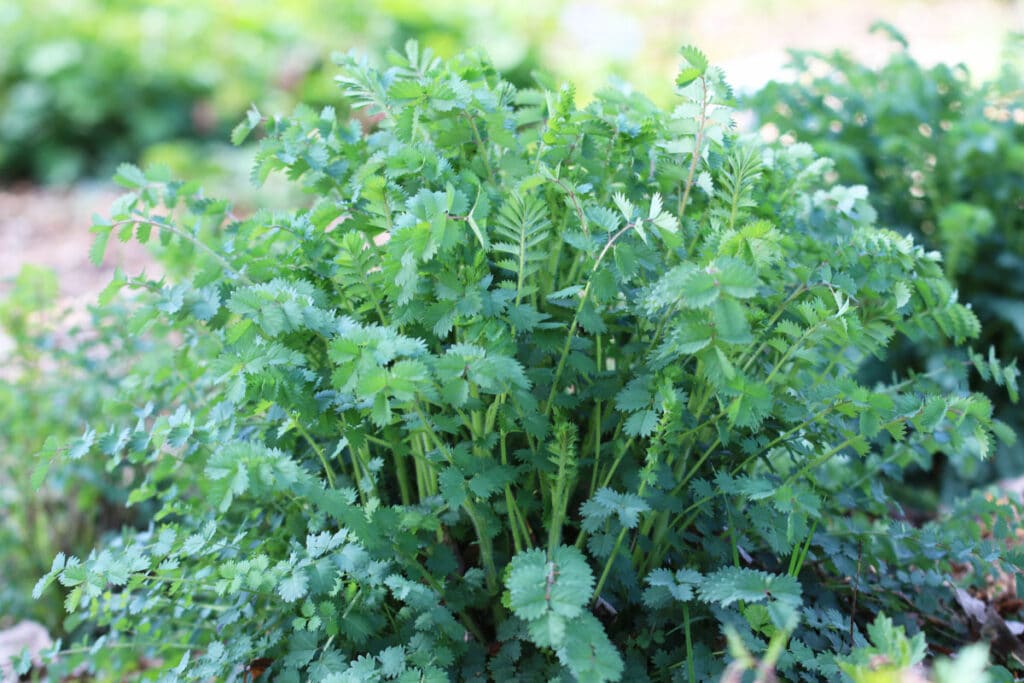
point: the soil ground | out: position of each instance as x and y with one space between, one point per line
50 227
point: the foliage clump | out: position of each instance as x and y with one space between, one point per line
526 391
943 158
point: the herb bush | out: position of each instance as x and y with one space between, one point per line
529 392
943 158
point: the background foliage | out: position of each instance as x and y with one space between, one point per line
943 158
99 82
86 84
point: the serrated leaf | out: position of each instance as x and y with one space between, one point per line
99 244
320 544
932 413
392 661
294 586
59 562
566 296
380 414
130 176
694 66
656 205
692 334
901 293
627 506
453 487
705 183
1010 374
665 586
490 481
241 131
731 324
625 207
588 653
732 584
636 395
79 447
718 366
869 423
752 405
1004 432
548 630
642 423
700 289
537 586
736 278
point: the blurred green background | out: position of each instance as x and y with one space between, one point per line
85 84
88 84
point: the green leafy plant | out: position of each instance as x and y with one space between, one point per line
525 391
943 157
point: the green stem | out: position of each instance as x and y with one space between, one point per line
563 487
133 644
301 429
793 348
691 666
796 562
492 413
596 421
615 551
520 535
584 225
660 327
690 513
802 472
480 145
513 520
618 460
367 456
696 467
698 142
404 486
551 273
576 317
483 539
827 455
565 351
733 541
418 458
485 544
768 326
661 519
608 565
225 264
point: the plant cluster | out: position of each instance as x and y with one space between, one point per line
943 158
527 391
